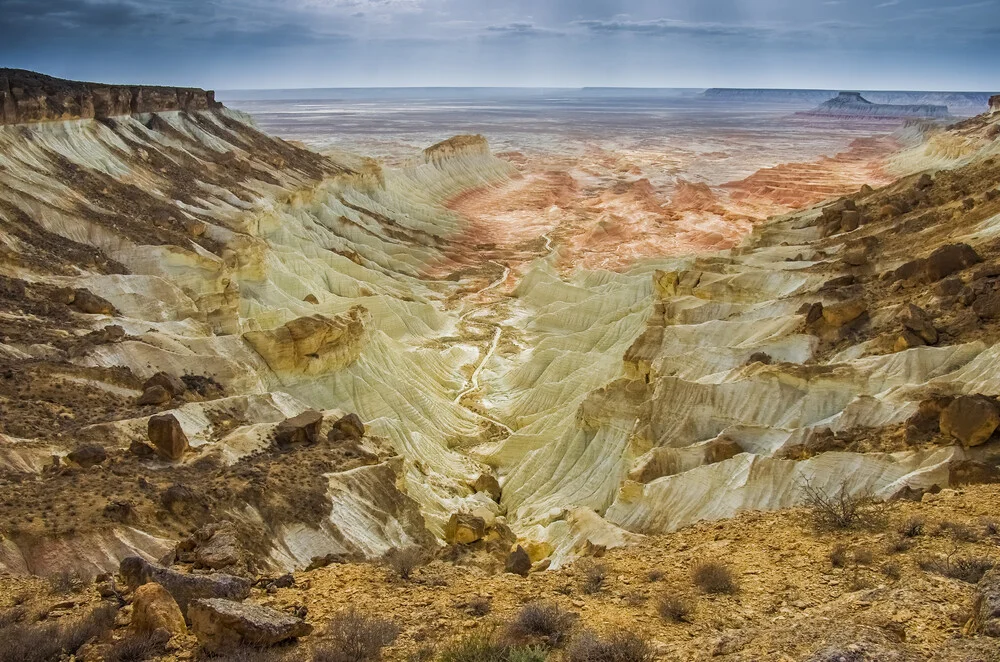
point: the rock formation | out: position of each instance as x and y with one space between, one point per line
26 96
852 104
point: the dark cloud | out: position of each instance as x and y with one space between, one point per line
522 30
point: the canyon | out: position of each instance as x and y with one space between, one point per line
212 335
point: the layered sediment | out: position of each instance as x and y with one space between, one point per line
26 96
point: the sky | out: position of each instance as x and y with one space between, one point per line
268 44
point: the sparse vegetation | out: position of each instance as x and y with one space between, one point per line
487 646
843 510
67 582
863 555
892 570
964 568
479 606
959 532
402 562
714 577
913 527
138 647
594 575
655 575
838 555
899 545
616 647
675 608
41 642
353 637
541 621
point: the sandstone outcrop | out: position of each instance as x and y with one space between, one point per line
153 609
214 546
986 606
464 529
300 429
312 345
223 625
852 104
26 96
995 104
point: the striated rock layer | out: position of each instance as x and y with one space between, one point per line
26 96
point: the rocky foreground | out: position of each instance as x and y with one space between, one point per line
245 387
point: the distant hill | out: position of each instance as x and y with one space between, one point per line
958 103
852 104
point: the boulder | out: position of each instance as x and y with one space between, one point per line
301 429
986 606
213 546
518 562
311 298
167 437
919 322
923 182
971 419
153 609
839 314
849 220
223 625
987 306
464 529
88 455
184 588
172 384
349 427
87 302
154 395
487 483
950 259
814 312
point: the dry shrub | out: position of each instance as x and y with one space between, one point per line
864 555
616 647
655 575
404 561
41 642
913 527
138 647
714 577
354 637
479 606
892 570
967 569
67 582
254 654
541 621
899 545
486 645
675 608
843 510
991 527
960 532
838 555
594 575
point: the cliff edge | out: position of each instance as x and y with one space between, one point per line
26 96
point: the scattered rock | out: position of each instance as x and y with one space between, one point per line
814 312
223 625
919 322
184 588
464 529
213 546
167 437
487 483
760 357
155 395
923 182
839 314
349 427
153 608
301 429
971 419
518 562
987 306
88 456
950 259
173 385
89 303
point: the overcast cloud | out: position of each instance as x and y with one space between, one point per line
892 44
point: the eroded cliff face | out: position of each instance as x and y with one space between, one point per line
26 96
252 295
